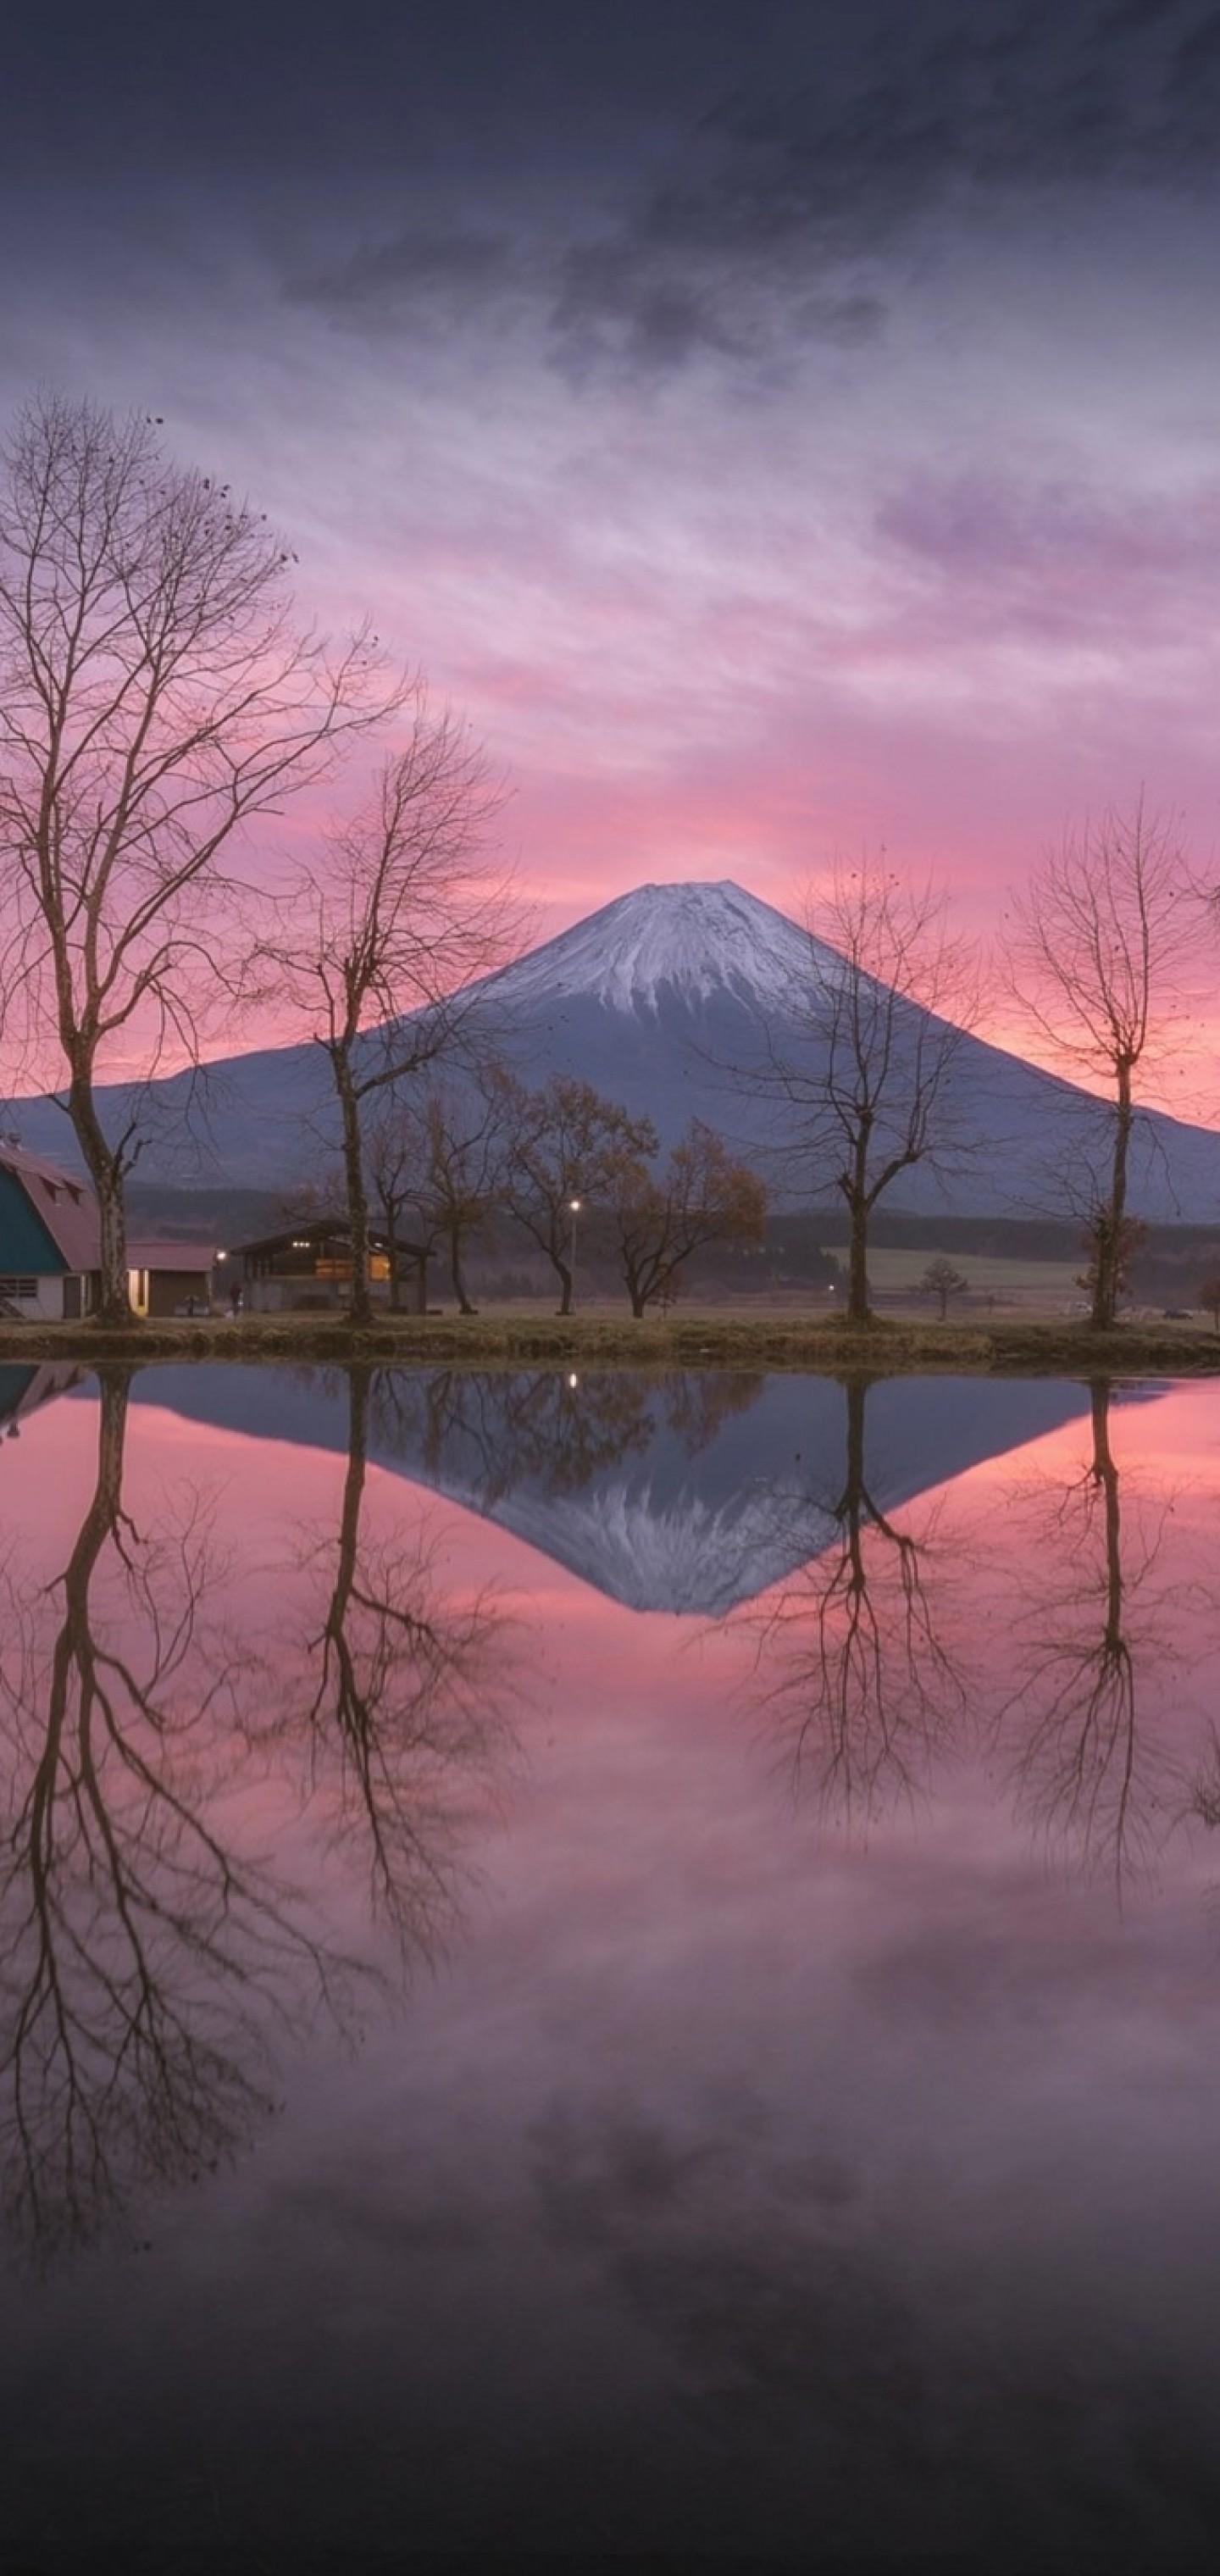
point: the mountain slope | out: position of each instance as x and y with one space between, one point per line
661 999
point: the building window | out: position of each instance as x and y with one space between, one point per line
19 1289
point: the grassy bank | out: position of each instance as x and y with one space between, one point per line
743 1341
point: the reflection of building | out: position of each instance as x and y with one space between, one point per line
310 1265
49 1255
24 1390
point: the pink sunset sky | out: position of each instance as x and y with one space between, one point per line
782 432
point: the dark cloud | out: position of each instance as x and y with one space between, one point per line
1036 97
656 188
416 276
779 207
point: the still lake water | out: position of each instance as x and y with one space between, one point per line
620 1971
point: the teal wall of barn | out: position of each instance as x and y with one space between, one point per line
25 1245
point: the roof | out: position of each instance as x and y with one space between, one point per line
62 1201
323 1229
170 1256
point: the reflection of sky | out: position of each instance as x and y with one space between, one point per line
731 2180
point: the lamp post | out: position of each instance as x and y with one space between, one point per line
574 1207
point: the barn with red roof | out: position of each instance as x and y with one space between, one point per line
49 1255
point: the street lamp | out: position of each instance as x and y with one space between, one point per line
574 1208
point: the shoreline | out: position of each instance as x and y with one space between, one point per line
814 1345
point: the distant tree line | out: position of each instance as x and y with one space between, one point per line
161 697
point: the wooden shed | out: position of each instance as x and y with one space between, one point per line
310 1266
170 1278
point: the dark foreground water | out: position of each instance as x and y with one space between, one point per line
608 1971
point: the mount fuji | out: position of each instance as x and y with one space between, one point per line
653 999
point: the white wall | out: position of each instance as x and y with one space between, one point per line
47 1304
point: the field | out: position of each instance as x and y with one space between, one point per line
1036 1287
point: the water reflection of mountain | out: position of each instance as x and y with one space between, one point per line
658 1504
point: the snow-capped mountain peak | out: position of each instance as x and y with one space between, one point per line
692 940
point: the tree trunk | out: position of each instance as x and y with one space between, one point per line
1112 1224
858 1310
114 1301
357 1195
455 1272
391 1236
564 1276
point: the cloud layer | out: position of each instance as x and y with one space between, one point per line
783 442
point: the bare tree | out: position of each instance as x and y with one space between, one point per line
1095 964
382 942
449 1163
883 1009
391 1161
156 695
568 1143
702 1196
943 1281
1111 1249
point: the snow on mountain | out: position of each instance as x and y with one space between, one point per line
689 941
648 1555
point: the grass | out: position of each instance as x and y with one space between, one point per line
717 1339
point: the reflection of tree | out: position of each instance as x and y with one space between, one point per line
859 1678
698 1401
150 1960
404 1690
1099 1612
143 1959
541 1428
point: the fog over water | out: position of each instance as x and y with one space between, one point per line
628 1970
